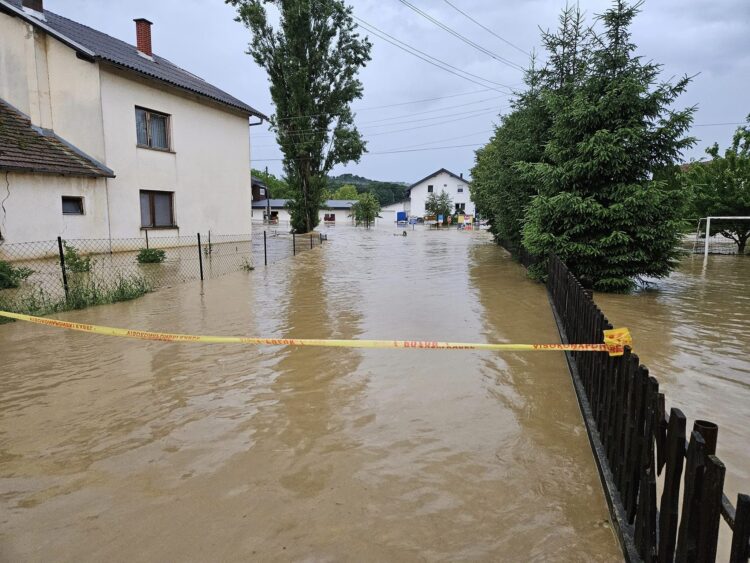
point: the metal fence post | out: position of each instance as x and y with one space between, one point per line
146 239
294 245
265 250
209 242
62 265
200 256
311 240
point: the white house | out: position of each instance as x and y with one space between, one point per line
455 185
274 211
103 139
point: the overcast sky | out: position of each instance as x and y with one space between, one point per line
710 38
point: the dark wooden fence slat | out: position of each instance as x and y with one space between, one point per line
668 511
688 535
637 441
710 516
740 552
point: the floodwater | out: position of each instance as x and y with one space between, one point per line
692 330
124 450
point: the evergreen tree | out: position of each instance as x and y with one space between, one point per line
501 188
598 207
312 61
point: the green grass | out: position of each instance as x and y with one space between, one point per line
83 291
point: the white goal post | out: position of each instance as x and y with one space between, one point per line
708 230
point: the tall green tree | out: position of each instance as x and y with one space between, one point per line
721 187
365 210
598 207
347 191
312 59
277 187
500 188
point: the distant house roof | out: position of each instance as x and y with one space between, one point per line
93 45
27 148
327 204
456 176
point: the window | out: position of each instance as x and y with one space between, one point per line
72 205
152 129
460 190
429 189
157 209
460 207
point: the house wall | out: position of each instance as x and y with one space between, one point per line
92 106
33 208
45 80
440 182
207 167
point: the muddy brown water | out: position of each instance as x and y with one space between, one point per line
123 450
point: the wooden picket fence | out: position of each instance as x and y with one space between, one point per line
634 440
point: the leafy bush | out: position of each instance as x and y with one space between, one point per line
151 256
74 262
11 276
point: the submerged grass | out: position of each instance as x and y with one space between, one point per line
83 291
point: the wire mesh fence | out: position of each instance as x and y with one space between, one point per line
44 277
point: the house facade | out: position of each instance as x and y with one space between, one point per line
126 141
455 185
274 211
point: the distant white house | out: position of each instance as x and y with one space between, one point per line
100 138
274 211
455 185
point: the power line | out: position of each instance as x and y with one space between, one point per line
422 55
487 28
370 108
390 152
401 116
467 114
462 37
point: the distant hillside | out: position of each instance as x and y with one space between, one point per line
386 192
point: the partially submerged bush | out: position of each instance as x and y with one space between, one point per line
74 262
151 256
12 276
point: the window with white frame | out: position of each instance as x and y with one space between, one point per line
152 129
429 189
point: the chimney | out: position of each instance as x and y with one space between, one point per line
35 7
461 174
142 35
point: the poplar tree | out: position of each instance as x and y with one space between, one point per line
599 207
312 58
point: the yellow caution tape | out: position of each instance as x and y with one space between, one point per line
614 342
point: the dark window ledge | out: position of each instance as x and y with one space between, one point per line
168 228
169 151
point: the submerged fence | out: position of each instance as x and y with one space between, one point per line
49 276
634 440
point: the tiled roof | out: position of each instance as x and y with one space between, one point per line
93 43
25 148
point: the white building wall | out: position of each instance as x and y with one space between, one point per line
440 182
207 167
92 106
33 208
